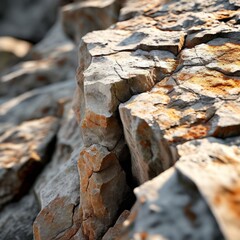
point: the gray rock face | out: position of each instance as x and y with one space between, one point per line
68 138
180 60
164 80
17 218
59 200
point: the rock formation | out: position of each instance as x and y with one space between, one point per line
157 114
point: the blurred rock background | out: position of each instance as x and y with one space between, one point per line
156 104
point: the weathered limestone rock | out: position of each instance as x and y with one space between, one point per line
183 201
213 165
113 79
102 190
52 60
82 17
194 96
23 152
200 99
115 232
58 218
16 219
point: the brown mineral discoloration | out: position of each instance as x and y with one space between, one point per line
213 82
48 223
93 120
230 197
189 213
99 172
186 133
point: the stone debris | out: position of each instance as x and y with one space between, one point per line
157 107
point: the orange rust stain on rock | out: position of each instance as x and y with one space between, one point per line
229 197
93 120
228 53
142 128
225 14
212 81
193 132
196 132
143 235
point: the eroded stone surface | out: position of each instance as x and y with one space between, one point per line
184 56
189 197
200 99
59 198
68 139
100 173
17 218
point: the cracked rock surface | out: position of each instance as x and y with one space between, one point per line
170 69
157 114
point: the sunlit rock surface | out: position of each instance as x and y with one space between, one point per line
157 105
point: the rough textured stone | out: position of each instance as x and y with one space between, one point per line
173 68
184 107
17 218
58 218
32 74
184 56
23 152
100 201
186 198
122 75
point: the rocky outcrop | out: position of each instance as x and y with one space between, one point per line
59 201
157 106
187 67
115 232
